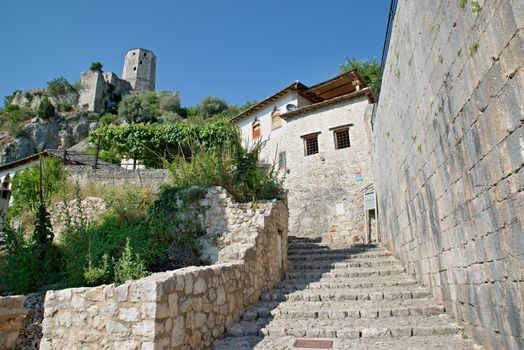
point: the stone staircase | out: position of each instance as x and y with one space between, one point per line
358 297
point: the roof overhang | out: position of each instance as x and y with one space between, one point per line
296 86
364 92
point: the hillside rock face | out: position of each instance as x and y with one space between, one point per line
62 131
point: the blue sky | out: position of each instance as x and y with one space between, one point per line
239 50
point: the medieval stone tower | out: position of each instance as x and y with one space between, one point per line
140 69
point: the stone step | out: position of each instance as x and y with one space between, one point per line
344 309
358 328
356 272
363 282
304 239
431 342
340 294
333 256
304 265
340 251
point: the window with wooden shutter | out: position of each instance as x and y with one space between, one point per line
256 127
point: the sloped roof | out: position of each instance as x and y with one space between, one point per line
296 86
339 86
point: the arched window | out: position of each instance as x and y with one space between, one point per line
276 121
256 129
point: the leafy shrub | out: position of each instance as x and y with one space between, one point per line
172 117
19 268
63 92
108 119
134 109
96 275
169 102
129 266
46 109
14 116
96 66
211 105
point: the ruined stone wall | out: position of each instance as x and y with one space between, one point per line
324 197
182 309
448 158
12 313
118 177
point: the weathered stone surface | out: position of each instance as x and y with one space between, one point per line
447 141
174 309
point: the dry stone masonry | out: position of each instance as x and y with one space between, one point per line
12 313
357 297
187 308
448 143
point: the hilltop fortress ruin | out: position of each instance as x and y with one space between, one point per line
100 89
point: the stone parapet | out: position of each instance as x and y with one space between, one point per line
187 308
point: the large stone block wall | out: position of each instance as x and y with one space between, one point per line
448 159
12 314
324 197
182 309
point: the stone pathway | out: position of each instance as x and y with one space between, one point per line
353 298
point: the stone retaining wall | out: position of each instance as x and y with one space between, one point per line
12 313
151 178
182 309
448 143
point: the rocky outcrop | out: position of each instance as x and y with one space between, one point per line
62 131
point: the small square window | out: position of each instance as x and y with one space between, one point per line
145 54
140 62
342 138
134 68
311 144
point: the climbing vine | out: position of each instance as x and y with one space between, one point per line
154 143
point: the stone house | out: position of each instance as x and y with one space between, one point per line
316 138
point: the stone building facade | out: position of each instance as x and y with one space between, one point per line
316 138
100 89
448 141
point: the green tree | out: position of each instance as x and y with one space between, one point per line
46 109
211 105
170 102
36 184
135 109
96 66
369 69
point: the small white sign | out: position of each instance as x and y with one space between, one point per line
340 209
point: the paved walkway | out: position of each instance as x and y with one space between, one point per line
352 298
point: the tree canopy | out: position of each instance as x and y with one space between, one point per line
136 109
211 105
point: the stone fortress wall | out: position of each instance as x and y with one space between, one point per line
99 88
187 308
448 159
